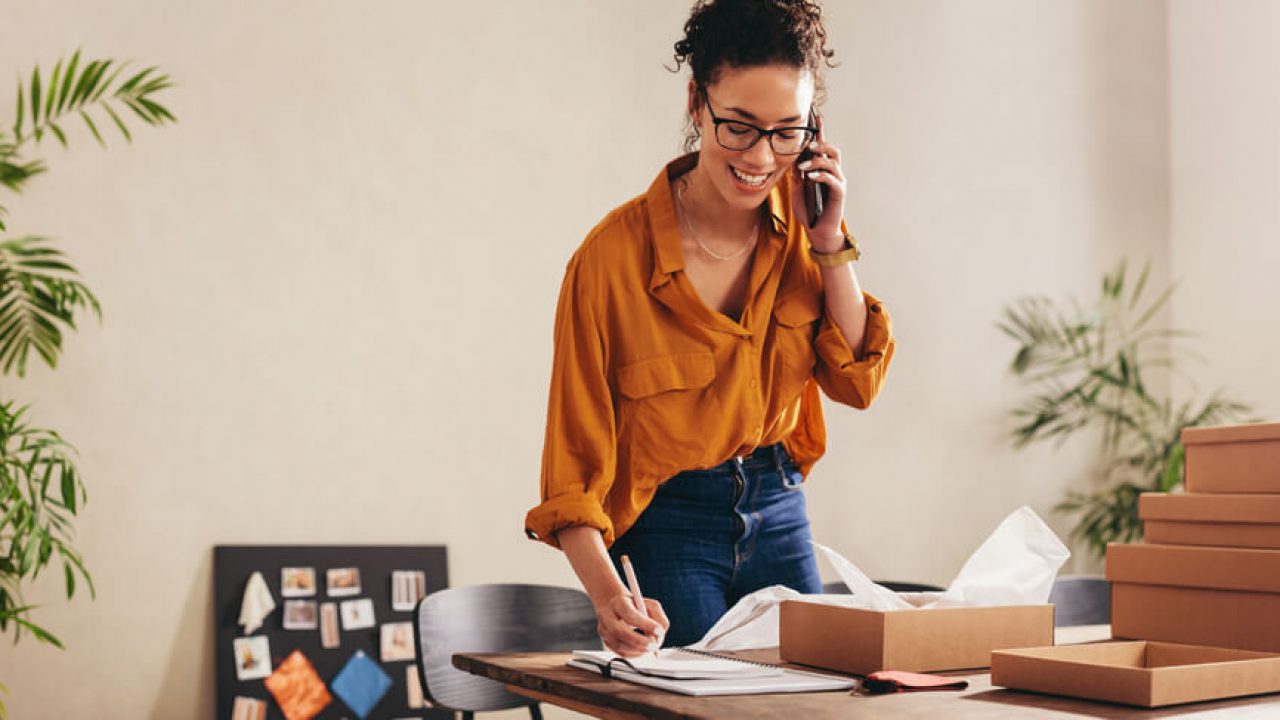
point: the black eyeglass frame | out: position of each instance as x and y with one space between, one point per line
760 132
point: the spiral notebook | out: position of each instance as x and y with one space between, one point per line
693 672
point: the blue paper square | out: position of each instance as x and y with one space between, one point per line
360 684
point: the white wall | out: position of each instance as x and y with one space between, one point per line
329 288
1225 185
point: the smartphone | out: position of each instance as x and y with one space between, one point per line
815 193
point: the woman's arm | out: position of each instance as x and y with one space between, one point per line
617 618
846 305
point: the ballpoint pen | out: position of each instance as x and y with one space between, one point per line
637 599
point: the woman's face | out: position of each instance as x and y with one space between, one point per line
768 96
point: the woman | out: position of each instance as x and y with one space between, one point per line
694 326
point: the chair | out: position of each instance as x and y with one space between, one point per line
839 588
495 618
1081 600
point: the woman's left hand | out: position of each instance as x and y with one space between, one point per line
823 167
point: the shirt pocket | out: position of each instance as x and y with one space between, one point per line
654 376
796 319
665 402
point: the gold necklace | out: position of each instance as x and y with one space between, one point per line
687 222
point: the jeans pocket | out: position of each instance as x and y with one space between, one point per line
788 472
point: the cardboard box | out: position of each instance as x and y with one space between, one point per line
1198 616
1220 568
1233 458
1225 520
1222 534
1147 674
865 641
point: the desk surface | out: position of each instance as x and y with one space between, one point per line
544 676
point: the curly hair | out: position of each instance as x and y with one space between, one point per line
749 33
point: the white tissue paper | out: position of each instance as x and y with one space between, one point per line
1015 565
257 603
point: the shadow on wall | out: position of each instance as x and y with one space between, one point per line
186 686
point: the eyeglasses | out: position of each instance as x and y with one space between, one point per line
739 135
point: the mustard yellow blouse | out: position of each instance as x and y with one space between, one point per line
648 381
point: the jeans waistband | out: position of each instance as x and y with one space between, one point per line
762 458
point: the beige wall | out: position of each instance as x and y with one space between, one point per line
1225 189
329 289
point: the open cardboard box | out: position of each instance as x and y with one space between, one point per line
861 642
1233 458
1221 519
1143 673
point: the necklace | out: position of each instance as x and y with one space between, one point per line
687 222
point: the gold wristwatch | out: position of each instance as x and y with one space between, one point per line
849 252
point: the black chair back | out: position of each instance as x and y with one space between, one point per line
839 588
1081 600
495 618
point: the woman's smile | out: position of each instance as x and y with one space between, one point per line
752 182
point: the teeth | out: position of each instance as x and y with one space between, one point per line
749 179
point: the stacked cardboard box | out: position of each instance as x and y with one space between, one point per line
1199 597
1209 571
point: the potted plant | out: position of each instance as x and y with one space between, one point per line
1087 368
41 297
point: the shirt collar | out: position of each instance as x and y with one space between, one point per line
668 255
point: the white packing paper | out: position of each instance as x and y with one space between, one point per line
257 603
1015 565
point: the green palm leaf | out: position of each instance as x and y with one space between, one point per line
1087 368
39 297
73 88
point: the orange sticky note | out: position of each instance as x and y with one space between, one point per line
298 689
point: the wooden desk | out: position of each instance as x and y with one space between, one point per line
544 677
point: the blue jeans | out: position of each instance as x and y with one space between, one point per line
712 536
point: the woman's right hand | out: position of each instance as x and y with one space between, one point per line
618 621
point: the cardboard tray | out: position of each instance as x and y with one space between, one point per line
1142 673
1233 458
861 642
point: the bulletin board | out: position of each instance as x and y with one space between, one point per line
234 564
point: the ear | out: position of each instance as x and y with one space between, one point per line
693 101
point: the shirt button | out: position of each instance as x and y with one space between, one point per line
754 383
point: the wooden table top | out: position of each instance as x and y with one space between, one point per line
544 676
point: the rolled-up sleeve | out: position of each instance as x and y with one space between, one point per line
840 374
579 455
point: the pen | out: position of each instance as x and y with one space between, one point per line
634 586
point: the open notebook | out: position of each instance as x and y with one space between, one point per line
694 673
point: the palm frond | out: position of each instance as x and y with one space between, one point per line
76 89
39 296
1087 366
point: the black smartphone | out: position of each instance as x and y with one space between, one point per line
815 193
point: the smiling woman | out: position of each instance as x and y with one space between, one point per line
695 326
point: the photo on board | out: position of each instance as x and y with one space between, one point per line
357 614
407 588
300 615
397 642
297 581
253 657
343 582
329 636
